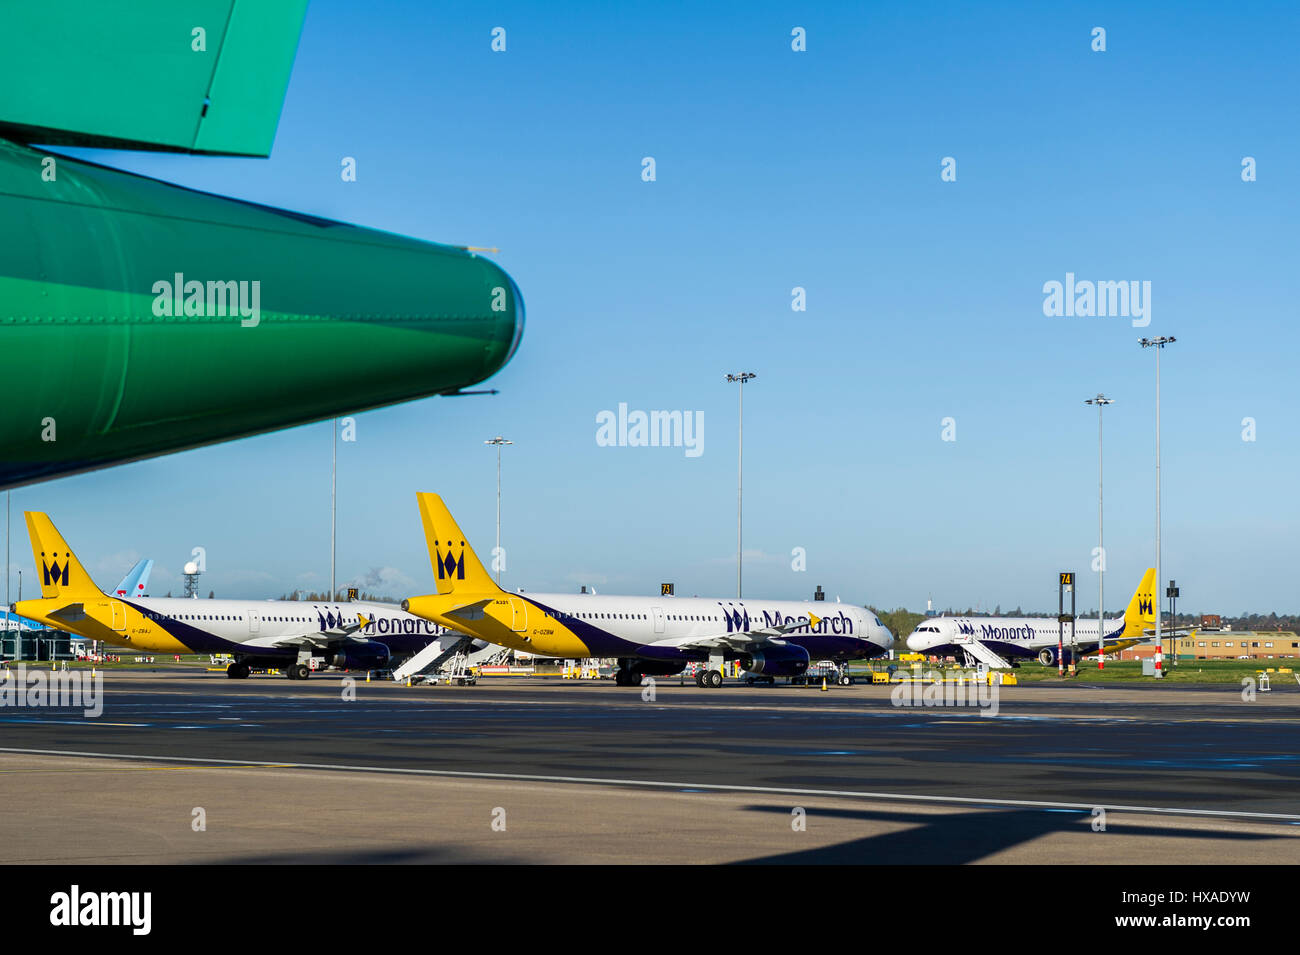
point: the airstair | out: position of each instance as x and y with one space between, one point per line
462 667
431 658
977 653
452 663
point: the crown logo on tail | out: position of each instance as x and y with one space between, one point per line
54 574
449 566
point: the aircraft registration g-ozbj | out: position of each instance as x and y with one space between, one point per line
283 634
649 635
1013 638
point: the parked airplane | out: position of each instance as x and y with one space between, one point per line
136 582
649 635
1015 638
11 621
284 634
137 579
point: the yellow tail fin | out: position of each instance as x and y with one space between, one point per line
61 574
1141 613
456 567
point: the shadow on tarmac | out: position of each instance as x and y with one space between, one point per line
959 838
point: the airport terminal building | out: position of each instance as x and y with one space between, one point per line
1234 644
1227 645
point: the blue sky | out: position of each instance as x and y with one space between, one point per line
778 169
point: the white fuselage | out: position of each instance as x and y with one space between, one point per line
250 626
613 626
1008 636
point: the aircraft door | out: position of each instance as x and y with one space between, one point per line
119 615
519 615
254 622
658 613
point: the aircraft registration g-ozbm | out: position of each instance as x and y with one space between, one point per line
283 634
1025 637
649 635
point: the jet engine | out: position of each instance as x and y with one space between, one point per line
787 660
1048 656
364 655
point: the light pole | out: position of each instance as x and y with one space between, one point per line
743 377
1100 401
1172 593
334 483
8 620
496 554
1158 344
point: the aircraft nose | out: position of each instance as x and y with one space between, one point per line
914 641
518 299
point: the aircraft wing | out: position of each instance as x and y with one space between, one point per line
346 630
323 639
742 640
1148 635
318 641
1167 632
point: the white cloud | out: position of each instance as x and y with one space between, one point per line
114 566
384 580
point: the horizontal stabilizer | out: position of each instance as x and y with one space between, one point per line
472 611
197 76
71 613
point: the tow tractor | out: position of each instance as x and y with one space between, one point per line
829 670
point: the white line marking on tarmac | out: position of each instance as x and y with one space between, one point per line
86 722
1289 818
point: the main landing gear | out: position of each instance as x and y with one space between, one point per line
238 671
712 679
297 671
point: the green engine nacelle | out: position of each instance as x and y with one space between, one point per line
279 318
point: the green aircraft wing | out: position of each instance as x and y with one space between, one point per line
194 76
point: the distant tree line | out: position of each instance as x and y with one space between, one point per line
900 622
1254 621
322 597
